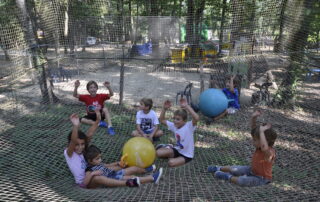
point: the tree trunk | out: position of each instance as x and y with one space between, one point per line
189 24
279 38
28 19
297 41
128 24
252 26
223 16
155 28
195 51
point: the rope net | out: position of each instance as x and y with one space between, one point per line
154 49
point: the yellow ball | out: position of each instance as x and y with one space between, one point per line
138 151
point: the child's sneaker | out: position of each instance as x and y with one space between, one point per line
222 175
103 124
213 169
111 131
133 182
157 176
151 168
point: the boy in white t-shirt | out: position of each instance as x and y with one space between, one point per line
183 151
147 122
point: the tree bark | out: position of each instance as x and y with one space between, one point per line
190 23
223 16
39 62
278 41
154 28
298 34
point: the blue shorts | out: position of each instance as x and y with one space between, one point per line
118 175
147 131
246 177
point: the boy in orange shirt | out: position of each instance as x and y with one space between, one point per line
260 171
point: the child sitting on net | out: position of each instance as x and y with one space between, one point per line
183 130
147 122
231 93
74 154
114 171
95 101
260 171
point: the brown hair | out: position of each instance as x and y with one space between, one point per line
147 102
81 136
181 112
270 135
91 153
90 83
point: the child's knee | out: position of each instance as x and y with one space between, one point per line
171 163
175 163
159 133
160 153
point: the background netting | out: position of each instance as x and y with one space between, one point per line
154 49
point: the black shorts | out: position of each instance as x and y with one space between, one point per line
177 154
93 116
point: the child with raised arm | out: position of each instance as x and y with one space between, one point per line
231 93
183 151
95 101
74 155
260 171
147 121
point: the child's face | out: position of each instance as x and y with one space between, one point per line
80 145
96 160
143 107
92 90
178 121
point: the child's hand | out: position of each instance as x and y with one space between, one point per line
183 103
265 127
233 76
256 113
96 172
74 118
167 104
77 83
106 84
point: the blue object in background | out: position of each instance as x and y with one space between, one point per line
142 49
213 102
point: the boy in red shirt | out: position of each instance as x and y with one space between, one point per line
260 171
95 101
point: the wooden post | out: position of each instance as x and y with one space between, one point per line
121 77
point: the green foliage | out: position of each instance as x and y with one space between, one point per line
315 25
287 93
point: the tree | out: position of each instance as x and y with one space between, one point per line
302 15
279 38
28 19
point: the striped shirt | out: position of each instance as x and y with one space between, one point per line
106 171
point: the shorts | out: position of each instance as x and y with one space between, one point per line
232 110
246 177
93 116
177 154
118 175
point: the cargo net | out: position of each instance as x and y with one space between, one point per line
47 45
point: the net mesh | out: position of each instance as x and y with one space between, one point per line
154 49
